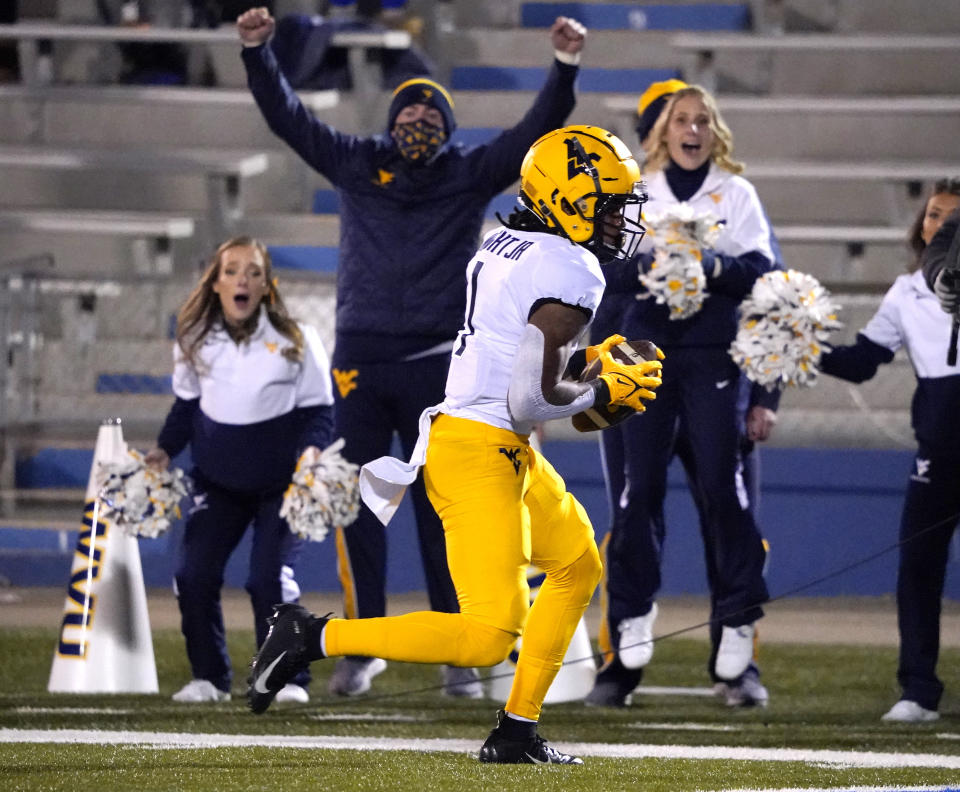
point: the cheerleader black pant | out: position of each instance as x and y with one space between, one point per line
930 517
212 533
374 401
699 398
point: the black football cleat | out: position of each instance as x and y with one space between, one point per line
498 749
282 656
610 693
614 685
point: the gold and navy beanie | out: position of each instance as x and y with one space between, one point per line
652 102
421 90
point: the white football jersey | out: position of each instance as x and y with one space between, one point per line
511 273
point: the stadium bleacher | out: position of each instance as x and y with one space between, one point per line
305 258
641 16
840 139
518 78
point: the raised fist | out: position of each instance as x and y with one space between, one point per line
255 26
567 35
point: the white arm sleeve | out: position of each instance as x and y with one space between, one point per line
525 395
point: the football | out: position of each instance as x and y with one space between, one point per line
597 418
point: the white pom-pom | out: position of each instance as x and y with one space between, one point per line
676 277
324 493
143 501
784 324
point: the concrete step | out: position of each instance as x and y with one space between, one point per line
829 202
805 120
726 16
530 78
96 114
828 62
295 228
815 429
873 269
136 408
108 356
891 389
873 16
840 71
818 125
871 129
283 186
809 127
832 428
890 16
53 508
106 254
531 47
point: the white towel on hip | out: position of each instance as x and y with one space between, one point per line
384 480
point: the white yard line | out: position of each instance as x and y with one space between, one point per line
683 727
857 789
366 717
660 690
625 751
71 711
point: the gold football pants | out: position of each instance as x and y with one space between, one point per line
503 507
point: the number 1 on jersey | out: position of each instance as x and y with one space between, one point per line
468 329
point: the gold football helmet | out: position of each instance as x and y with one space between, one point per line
573 178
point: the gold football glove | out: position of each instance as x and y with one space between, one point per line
593 352
629 384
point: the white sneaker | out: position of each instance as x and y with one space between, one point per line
905 711
292 694
354 675
462 682
748 692
197 691
636 639
735 651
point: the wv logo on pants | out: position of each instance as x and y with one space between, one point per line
513 454
346 381
923 470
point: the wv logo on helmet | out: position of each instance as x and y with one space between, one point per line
575 158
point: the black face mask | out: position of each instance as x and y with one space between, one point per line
418 141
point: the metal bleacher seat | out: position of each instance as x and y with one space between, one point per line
625 51
225 173
641 16
125 382
151 234
500 78
839 62
28 35
316 259
799 140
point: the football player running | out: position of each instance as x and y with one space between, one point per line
532 289
412 203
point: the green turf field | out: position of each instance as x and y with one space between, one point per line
825 705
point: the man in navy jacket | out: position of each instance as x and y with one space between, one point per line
411 212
